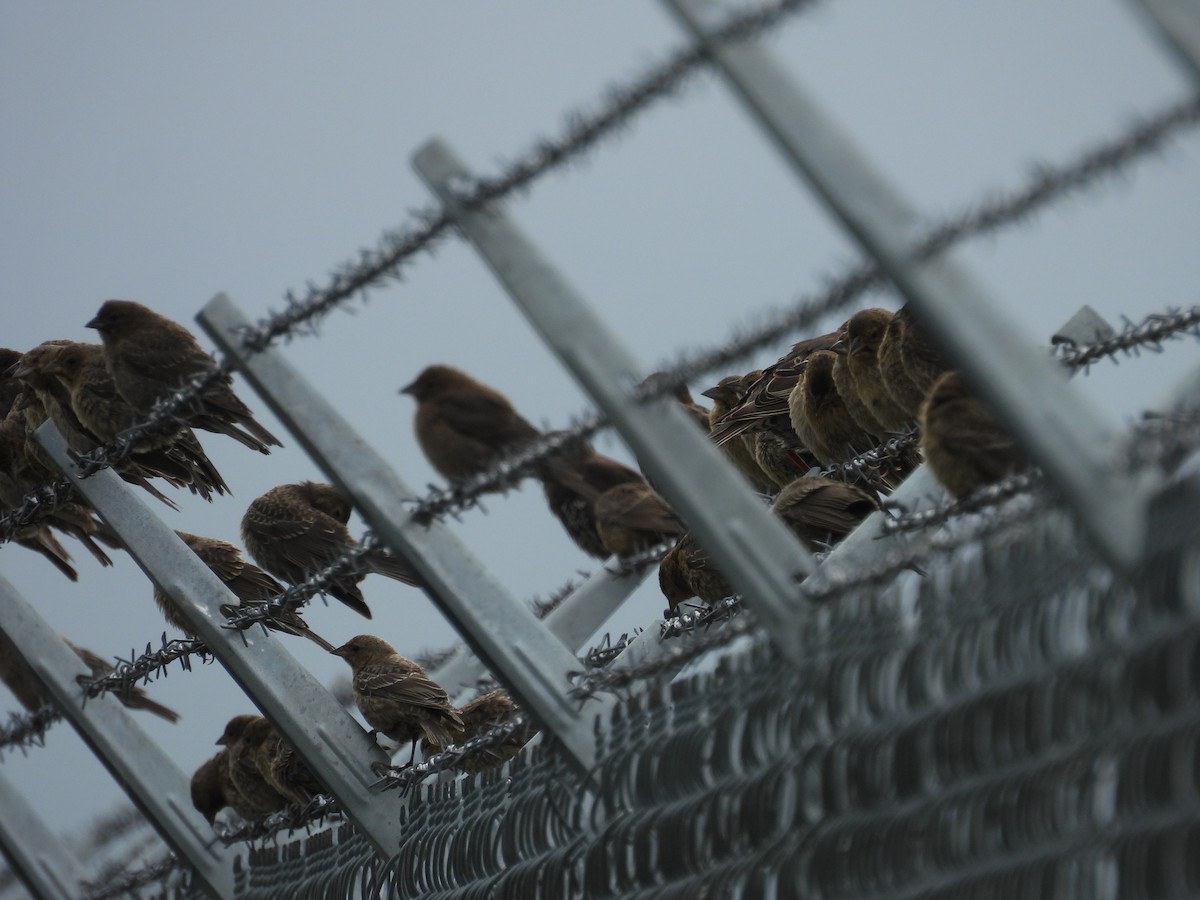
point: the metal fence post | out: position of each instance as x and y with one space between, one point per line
327 737
139 765
506 635
1063 433
761 558
36 854
1177 22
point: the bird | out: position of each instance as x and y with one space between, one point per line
905 393
821 511
152 357
253 795
686 571
285 771
250 584
632 517
847 389
463 426
819 415
573 479
10 385
396 697
25 685
726 396
965 443
865 331
212 788
682 396
922 359
171 451
479 715
782 457
295 530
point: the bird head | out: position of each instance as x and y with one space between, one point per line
114 315
235 728
363 648
437 379
865 330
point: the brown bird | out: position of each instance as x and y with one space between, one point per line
682 396
253 795
285 771
250 584
480 715
573 479
964 441
172 451
462 425
903 390
781 456
212 788
843 380
686 571
151 357
821 511
726 395
819 415
865 332
295 530
10 385
632 517
923 361
32 694
396 697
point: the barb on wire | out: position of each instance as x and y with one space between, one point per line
128 883
1163 438
542 608
981 499
452 757
607 650
866 464
140 669
636 562
290 818
702 618
29 729
1136 336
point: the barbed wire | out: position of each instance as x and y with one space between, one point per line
290 818
452 757
25 730
979 500
151 664
131 881
866 465
1148 334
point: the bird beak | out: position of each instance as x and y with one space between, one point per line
340 651
839 347
93 323
407 389
222 742
20 370
711 393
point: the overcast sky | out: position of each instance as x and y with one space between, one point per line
167 152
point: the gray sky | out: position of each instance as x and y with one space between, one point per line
167 152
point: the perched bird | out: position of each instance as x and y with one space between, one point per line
285 771
683 397
171 451
151 357
32 694
481 714
253 795
462 425
923 361
821 511
819 415
10 386
250 584
843 380
726 395
396 697
573 479
632 517
212 788
905 393
686 571
865 331
295 530
964 441
782 457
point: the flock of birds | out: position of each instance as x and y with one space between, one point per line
826 401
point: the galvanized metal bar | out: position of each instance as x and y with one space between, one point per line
505 634
35 853
760 557
573 621
146 773
1177 22
1064 434
325 735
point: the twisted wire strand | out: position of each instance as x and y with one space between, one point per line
1148 334
290 818
25 730
866 464
979 500
451 757
128 883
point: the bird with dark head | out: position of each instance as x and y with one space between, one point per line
296 530
254 795
905 393
396 697
212 788
965 443
152 357
463 426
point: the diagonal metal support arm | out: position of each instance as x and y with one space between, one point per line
34 851
761 558
1177 22
140 766
505 634
1063 433
327 737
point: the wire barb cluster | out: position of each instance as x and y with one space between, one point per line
289 819
29 729
986 497
452 757
867 465
150 664
129 883
1148 334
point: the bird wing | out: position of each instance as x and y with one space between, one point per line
389 681
485 418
